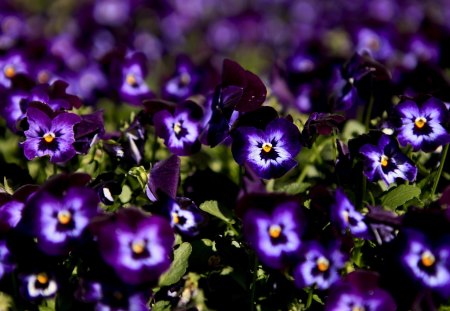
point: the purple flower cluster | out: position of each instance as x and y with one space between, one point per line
211 155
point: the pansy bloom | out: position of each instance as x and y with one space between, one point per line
184 215
359 291
427 261
133 88
275 235
385 161
344 215
52 136
57 221
10 66
39 285
422 126
270 152
180 129
320 266
137 246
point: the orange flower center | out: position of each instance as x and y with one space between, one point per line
138 247
322 264
42 278
420 122
9 71
427 259
266 147
49 137
358 308
131 79
384 161
64 217
275 231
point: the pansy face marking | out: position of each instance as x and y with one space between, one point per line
422 126
40 285
270 153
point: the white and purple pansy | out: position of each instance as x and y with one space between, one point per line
385 161
180 129
319 266
133 87
271 152
59 221
50 135
137 246
345 216
276 235
422 126
427 261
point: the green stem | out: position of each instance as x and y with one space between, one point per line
369 109
309 299
154 148
441 167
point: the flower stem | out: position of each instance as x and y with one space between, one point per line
440 169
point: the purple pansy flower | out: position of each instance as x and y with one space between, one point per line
180 129
183 83
344 215
58 222
422 126
137 246
10 66
13 109
359 291
270 152
52 136
276 235
184 215
133 88
428 261
385 161
39 285
320 266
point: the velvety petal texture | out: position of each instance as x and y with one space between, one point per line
57 221
359 291
385 161
423 126
270 153
137 246
428 261
180 129
276 235
344 215
48 136
319 266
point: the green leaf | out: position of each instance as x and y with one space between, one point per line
211 207
400 195
162 306
179 265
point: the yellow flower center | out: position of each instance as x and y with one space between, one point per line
177 127
427 258
266 147
64 217
346 216
275 231
358 308
420 122
43 76
131 79
42 278
322 264
9 71
138 247
175 218
49 137
384 161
